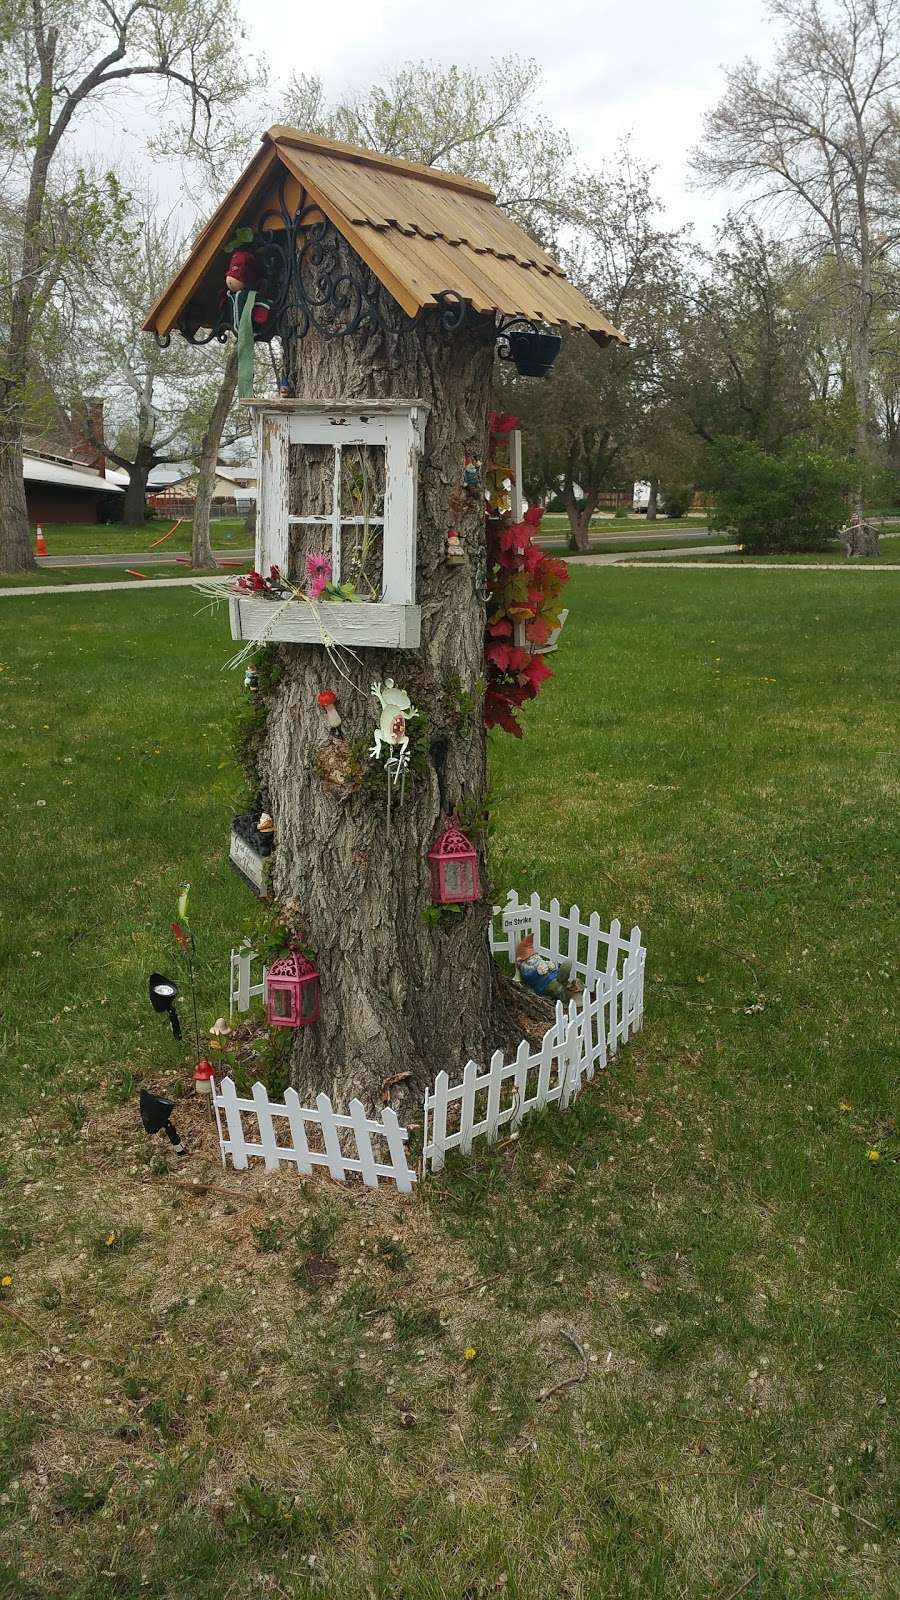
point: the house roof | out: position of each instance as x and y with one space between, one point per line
37 471
422 231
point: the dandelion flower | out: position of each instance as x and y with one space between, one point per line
873 1155
6 1281
845 1106
110 1238
701 980
470 1352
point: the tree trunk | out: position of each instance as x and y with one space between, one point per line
134 501
16 554
201 548
860 538
579 513
652 499
401 992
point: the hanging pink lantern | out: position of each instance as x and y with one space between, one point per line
453 860
292 992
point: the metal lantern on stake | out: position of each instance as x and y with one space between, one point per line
453 860
292 992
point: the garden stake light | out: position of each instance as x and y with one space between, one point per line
155 1114
163 994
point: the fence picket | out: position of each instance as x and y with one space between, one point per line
335 1159
363 1137
493 1096
236 1142
297 1125
574 922
572 1058
467 1107
266 1128
593 942
553 951
520 1084
439 1121
394 1135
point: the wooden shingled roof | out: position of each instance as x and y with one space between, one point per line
422 231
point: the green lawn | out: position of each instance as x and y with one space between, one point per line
91 538
188 1417
888 551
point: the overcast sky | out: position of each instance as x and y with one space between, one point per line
649 69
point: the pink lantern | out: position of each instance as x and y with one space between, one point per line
453 860
292 992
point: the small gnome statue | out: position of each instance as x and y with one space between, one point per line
245 285
251 677
265 829
456 555
538 973
471 476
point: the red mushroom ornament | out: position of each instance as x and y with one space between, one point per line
204 1074
328 702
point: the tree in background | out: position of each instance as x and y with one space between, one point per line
152 399
53 64
739 364
819 136
481 123
583 421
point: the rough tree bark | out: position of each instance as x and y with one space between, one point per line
653 500
579 513
15 540
134 500
201 548
400 994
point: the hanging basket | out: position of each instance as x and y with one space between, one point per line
534 353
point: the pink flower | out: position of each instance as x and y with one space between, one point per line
319 568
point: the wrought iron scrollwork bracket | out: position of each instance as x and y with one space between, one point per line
311 284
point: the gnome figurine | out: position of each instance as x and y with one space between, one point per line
538 973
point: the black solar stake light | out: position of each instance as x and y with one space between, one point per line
163 994
155 1113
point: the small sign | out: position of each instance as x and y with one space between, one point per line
247 863
514 921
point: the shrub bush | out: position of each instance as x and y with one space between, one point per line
677 499
792 501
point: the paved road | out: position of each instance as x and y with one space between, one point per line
122 558
97 588
631 558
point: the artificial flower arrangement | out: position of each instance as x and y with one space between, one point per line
524 589
318 585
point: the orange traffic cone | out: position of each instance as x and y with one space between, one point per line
40 543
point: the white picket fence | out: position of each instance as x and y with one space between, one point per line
581 1037
241 988
315 1136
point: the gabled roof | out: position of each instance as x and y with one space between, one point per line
422 232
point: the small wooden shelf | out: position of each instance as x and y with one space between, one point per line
376 626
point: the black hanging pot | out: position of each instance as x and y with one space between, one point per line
534 353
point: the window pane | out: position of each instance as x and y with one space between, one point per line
282 1002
